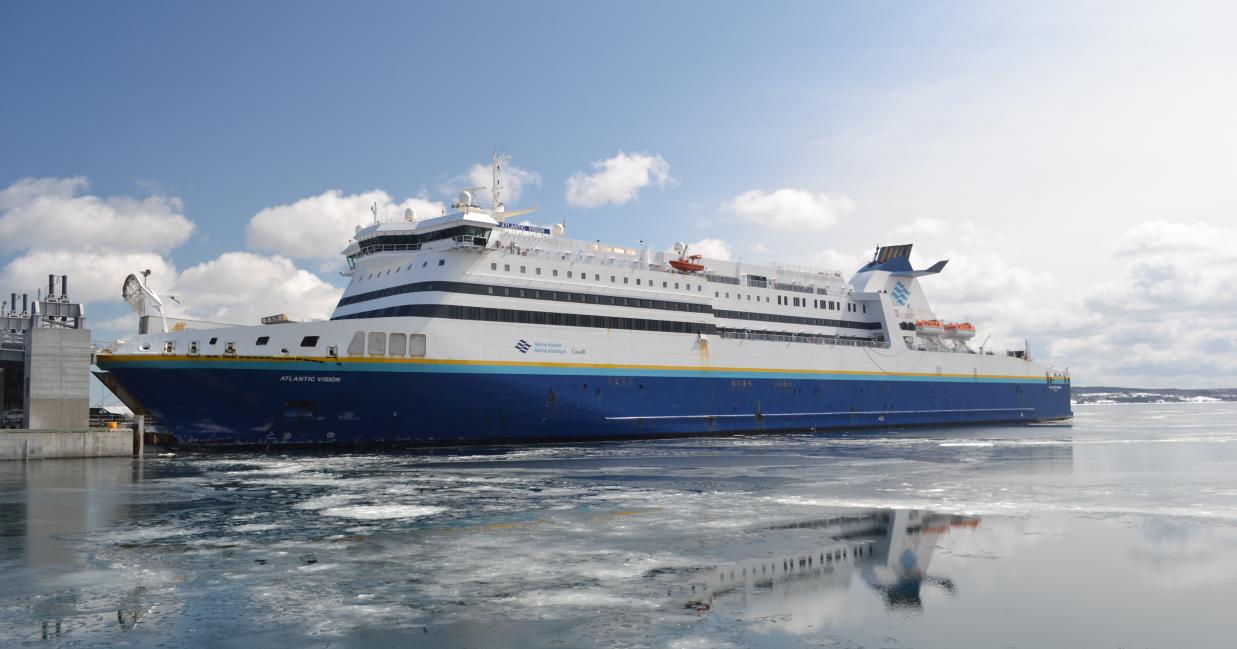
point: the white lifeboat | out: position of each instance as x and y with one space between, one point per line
960 330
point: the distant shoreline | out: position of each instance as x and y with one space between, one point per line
1109 395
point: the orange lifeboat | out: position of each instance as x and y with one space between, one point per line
960 330
687 264
929 327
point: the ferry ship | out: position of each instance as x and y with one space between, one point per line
468 327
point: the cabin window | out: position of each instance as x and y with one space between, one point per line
596 277
554 273
493 266
637 281
663 285
397 344
507 268
262 340
568 274
524 269
213 341
309 341
612 279
377 343
865 308
441 262
416 345
425 263
538 269
625 280
356 346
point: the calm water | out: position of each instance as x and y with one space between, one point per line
1119 530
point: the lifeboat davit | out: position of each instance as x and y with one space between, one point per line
929 327
687 264
960 330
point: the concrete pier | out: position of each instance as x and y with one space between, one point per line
73 443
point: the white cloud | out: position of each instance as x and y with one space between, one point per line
55 213
921 227
515 181
93 276
831 259
318 227
617 180
240 287
103 239
1168 236
1163 316
788 209
710 249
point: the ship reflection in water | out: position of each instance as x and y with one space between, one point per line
888 549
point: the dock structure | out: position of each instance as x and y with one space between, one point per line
45 357
60 444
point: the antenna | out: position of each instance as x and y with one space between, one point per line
373 209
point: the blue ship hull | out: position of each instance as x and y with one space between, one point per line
241 402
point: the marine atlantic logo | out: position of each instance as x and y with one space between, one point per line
901 294
523 346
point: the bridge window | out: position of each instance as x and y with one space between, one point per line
397 344
416 345
357 346
262 340
309 341
377 343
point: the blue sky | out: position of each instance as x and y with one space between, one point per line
1074 160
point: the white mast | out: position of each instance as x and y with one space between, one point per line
499 159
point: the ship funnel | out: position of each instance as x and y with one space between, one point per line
64 286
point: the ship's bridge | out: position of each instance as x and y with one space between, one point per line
471 228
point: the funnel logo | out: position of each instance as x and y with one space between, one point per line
901 294
523 346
